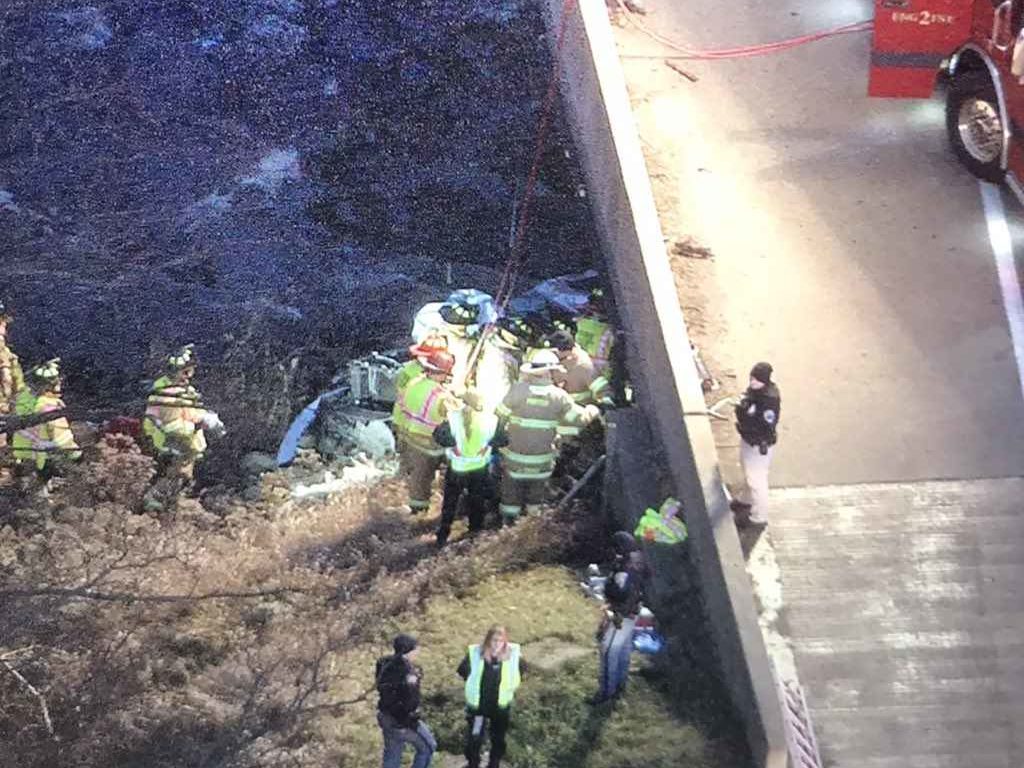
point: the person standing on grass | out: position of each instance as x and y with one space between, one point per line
492 673
757 419
623 593
398 683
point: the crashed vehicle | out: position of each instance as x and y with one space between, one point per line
353 416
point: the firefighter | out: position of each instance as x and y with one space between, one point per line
492 673
45 448
12 380
409 372
530 414
595 334
757 419
468 435
176 422
579 377
424 405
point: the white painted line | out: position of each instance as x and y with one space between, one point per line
1002 247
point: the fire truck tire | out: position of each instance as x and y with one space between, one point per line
974 125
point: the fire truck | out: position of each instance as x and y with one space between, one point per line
977 46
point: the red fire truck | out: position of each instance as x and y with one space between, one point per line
979 45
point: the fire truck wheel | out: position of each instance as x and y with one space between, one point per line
974 125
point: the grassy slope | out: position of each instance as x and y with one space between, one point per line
257 681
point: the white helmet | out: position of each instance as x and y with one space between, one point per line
542 361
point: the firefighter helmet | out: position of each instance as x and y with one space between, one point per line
515 331
439 361
543 361
47 373
183 359
431 343
459 313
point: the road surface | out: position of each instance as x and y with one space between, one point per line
854 253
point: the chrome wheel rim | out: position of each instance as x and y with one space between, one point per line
980 129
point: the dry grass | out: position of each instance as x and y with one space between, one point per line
240 634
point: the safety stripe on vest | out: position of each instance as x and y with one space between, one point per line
525 423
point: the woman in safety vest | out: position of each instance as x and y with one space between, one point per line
491 671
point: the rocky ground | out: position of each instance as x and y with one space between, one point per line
281 181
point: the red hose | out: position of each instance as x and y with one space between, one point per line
746 51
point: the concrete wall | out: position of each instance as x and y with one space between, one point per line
658 359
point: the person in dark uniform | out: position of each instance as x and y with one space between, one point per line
398 683
757 418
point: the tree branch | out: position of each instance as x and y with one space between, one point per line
127 597
35 692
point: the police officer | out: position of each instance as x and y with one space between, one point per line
757 418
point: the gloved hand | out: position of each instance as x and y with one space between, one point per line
763 448
212 424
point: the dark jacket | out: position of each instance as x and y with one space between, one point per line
757 415
398 683
624 590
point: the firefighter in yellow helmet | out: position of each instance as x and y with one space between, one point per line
176 422
12 380
44 448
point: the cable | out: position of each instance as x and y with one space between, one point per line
508 277
746 51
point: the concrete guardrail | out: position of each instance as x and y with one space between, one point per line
658 357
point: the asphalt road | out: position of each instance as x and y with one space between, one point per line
853 252
851 246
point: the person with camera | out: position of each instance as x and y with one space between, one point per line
623 594
757 419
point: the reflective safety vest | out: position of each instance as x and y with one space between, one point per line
423 405
411 371
509 676
173 411
472 450
596 337
52 438
662 525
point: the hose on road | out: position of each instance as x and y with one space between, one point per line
740 52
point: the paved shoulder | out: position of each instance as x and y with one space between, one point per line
906 611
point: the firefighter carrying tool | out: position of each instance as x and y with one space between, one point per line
980 45
45 447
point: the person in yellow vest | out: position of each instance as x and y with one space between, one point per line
424 405
45 448
595 334
492 671
468 436
408 373
530 415
176 422
12 380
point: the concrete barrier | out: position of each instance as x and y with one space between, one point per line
658 356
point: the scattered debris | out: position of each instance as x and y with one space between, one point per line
684 72
689 249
